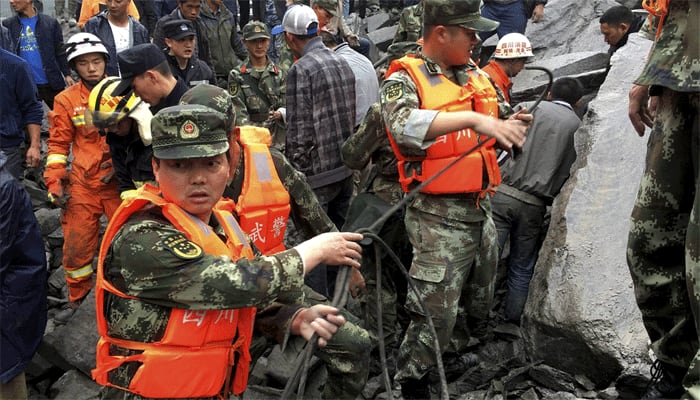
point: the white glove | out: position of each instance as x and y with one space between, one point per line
142 115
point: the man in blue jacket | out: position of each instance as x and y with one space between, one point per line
19 109
115 20
38 39
23 278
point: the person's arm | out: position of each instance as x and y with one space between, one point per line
298 141
61 133
415 128
159 274
60 53
538 13
236 43
238 97
33 156
358 149
32 113
308 215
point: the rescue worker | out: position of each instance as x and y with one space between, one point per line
285 190
167 262
258 85
410 27
88 190
512 52
181 39
449 222
126 122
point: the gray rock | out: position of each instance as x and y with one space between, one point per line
588 67
76 341
382 37
49 219
552 378
569 27
581 314
74 386
376 21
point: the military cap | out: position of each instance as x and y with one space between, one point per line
178 29
329 5
464 13
188 131
255 30
213 97
134 62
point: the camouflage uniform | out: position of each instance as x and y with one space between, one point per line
256 93
370 142
453 235
347 355
142 260
665 216
410 24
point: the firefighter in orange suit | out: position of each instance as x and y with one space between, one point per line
512 51
88 190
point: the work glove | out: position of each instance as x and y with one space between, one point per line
58 197
143 116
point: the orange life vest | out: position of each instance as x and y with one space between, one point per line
436 92
263 206
500 78
199 348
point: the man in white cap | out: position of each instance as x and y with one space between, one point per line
320 117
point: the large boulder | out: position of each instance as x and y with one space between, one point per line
581 314
569 28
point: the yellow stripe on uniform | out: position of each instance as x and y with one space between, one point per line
56 159
80 272
78 120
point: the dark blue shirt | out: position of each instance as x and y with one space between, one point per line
19 106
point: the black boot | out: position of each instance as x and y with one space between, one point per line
418 389
666 381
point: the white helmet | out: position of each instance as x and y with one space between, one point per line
513 45
84 43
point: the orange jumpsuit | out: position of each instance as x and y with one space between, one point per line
500 78
90 197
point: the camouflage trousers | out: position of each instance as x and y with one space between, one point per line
454 271
663 249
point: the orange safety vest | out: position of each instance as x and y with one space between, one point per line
436 92
199 348
263 206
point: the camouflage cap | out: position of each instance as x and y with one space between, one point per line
255 30
464 13
213 97
188 131
329 5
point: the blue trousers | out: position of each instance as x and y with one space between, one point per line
513 18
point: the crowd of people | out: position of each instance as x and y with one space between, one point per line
229 152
